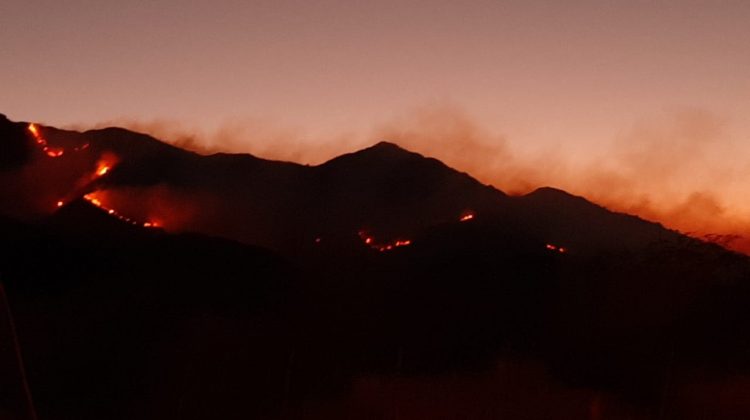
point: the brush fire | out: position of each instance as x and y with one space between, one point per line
94 199
42 142
370 241
466 217
50 151
105 164
103 167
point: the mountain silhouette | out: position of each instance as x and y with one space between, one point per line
384 190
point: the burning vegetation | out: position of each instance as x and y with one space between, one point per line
50 151
96 200
370 241
103 166
466 217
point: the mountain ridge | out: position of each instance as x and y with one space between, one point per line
383 188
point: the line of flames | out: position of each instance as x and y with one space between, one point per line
370 241
91 198
50 151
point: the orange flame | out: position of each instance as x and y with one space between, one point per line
466 217
382 247
105 164
52 152
93 199
34 130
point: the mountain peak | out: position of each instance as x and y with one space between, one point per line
550 192
388 149
383 151
386 145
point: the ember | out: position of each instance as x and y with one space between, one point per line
559 249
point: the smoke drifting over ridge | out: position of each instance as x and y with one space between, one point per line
681 168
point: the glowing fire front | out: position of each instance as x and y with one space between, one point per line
105 164
50 151
96 201
370 241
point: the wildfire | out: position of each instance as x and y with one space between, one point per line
466 217
52 152
559 249
382 247
60 203
91 198
105 164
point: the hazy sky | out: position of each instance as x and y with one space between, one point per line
602 92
